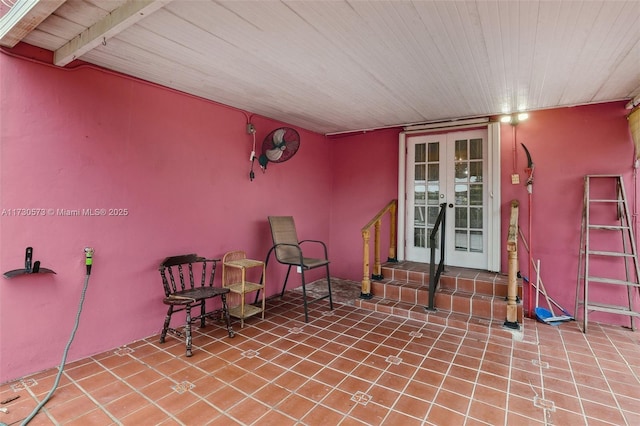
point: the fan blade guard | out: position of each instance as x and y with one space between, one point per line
279 146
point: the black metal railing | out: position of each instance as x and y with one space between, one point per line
434 273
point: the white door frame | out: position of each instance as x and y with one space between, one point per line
493 189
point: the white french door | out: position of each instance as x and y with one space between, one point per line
450 168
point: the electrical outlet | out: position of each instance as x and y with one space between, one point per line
298 269
515 179
251 129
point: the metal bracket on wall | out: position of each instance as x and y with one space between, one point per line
29 267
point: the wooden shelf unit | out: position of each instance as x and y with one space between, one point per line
234 277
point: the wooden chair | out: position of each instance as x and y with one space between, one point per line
183 292
235 267
288 251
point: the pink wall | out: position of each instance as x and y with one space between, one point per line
179 165
91 139
565 143
365 178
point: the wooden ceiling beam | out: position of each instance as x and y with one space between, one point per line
23 17
111 25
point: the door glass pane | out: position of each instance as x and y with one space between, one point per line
433 194
419 192
475 217
436 243
420 153
434 172
461 240
475 195
434 151
418 218
461 150
462 172
433 214
462 198
475 171
433 189
476 241
475 149
420 172
461 217
418 237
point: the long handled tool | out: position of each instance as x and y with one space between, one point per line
549 299
537 284
542 314
530 169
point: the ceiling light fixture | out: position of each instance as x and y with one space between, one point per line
514 119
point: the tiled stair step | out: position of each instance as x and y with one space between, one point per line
456 279
465 298
440 316
479 305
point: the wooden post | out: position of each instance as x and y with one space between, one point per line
392 234
365 292
377 266
512 252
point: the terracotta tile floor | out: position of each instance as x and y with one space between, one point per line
347 367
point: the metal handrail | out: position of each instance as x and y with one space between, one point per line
434 274
390 208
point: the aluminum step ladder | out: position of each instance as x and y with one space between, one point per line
607 245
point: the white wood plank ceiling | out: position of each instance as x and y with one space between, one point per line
336 66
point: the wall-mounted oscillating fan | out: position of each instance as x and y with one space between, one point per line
279 146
